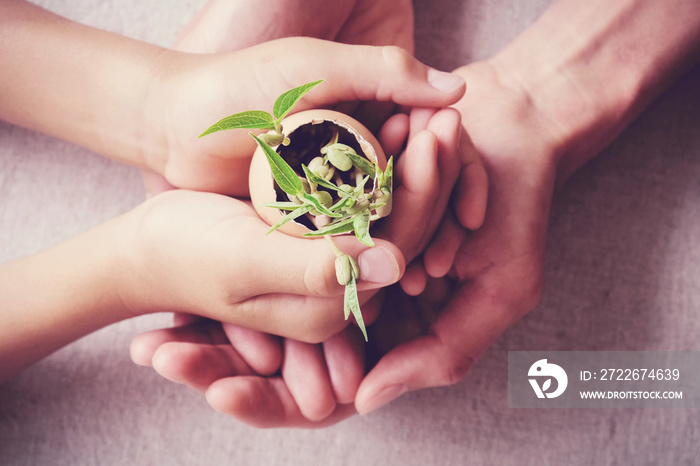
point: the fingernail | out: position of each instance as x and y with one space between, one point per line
445 82
384 397
377 265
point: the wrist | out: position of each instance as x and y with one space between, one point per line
57 296
589 69
82 84
503 123
147 256
162 85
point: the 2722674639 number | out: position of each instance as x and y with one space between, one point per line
639 374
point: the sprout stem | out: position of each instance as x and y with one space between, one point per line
335 247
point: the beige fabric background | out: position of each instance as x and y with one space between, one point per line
623 269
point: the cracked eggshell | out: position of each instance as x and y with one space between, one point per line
261 181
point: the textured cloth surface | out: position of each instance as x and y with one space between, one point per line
623 268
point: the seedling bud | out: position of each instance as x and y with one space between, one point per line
383 196
339 160
337 155
272 138
346 268
319 167
324 198
359 206
308 188
294 199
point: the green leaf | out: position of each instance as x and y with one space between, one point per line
341 204
387 178
290 216
285 176
361 226
285 102
360 188
342 226
308 199
254 119
346 301
283 205
314 178
352 305
364 165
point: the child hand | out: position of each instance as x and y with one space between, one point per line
209 255
190 92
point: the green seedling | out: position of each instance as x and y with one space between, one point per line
319 192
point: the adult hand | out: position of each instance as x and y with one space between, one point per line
497 269
260 379
223 26
317 383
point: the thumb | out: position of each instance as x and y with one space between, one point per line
364 73
472 320
307 266
299 296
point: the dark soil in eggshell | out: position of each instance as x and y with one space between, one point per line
308 132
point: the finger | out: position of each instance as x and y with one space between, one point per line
265 402
429 184
344 356
414 199
459 337
261 351
440 254
198 365
393 134
419 120
447 127
472 188
246 261
304 266
295 290
415 279
305 374
181 318
389 74
307 319
317 312
143 346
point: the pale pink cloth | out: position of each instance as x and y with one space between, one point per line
622 273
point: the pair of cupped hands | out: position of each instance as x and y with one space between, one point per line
259 326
